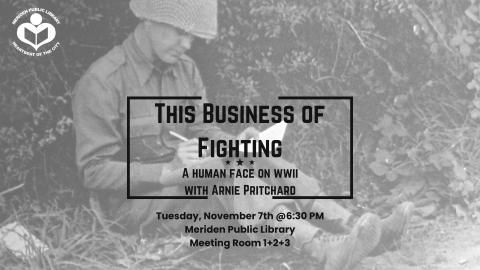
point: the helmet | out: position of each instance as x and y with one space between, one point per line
197 17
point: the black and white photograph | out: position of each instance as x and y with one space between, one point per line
240 134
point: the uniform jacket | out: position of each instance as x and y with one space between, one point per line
100 116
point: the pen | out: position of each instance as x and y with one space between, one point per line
178 136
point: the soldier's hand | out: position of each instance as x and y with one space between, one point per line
187 152
248 133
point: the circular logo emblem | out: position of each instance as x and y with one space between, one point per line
36 32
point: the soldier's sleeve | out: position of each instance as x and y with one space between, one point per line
99 139
200 129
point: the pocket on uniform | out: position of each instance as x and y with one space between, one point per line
144 125
146 144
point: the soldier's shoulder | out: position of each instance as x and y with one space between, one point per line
108 64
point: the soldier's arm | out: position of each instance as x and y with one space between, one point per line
200 129
99 140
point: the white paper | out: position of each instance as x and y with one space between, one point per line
275 132
21 242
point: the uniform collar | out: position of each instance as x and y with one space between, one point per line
142 65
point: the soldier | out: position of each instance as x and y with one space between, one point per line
152 62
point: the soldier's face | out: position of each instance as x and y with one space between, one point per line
167 42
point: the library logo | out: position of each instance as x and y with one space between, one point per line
36 32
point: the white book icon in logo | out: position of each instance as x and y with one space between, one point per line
35 33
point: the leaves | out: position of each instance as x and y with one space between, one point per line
378 168
427 210
460 172
389 127
443 159
460 211
463 40
382 155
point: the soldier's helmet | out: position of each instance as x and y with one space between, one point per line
197 17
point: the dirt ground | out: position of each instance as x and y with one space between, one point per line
433 245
